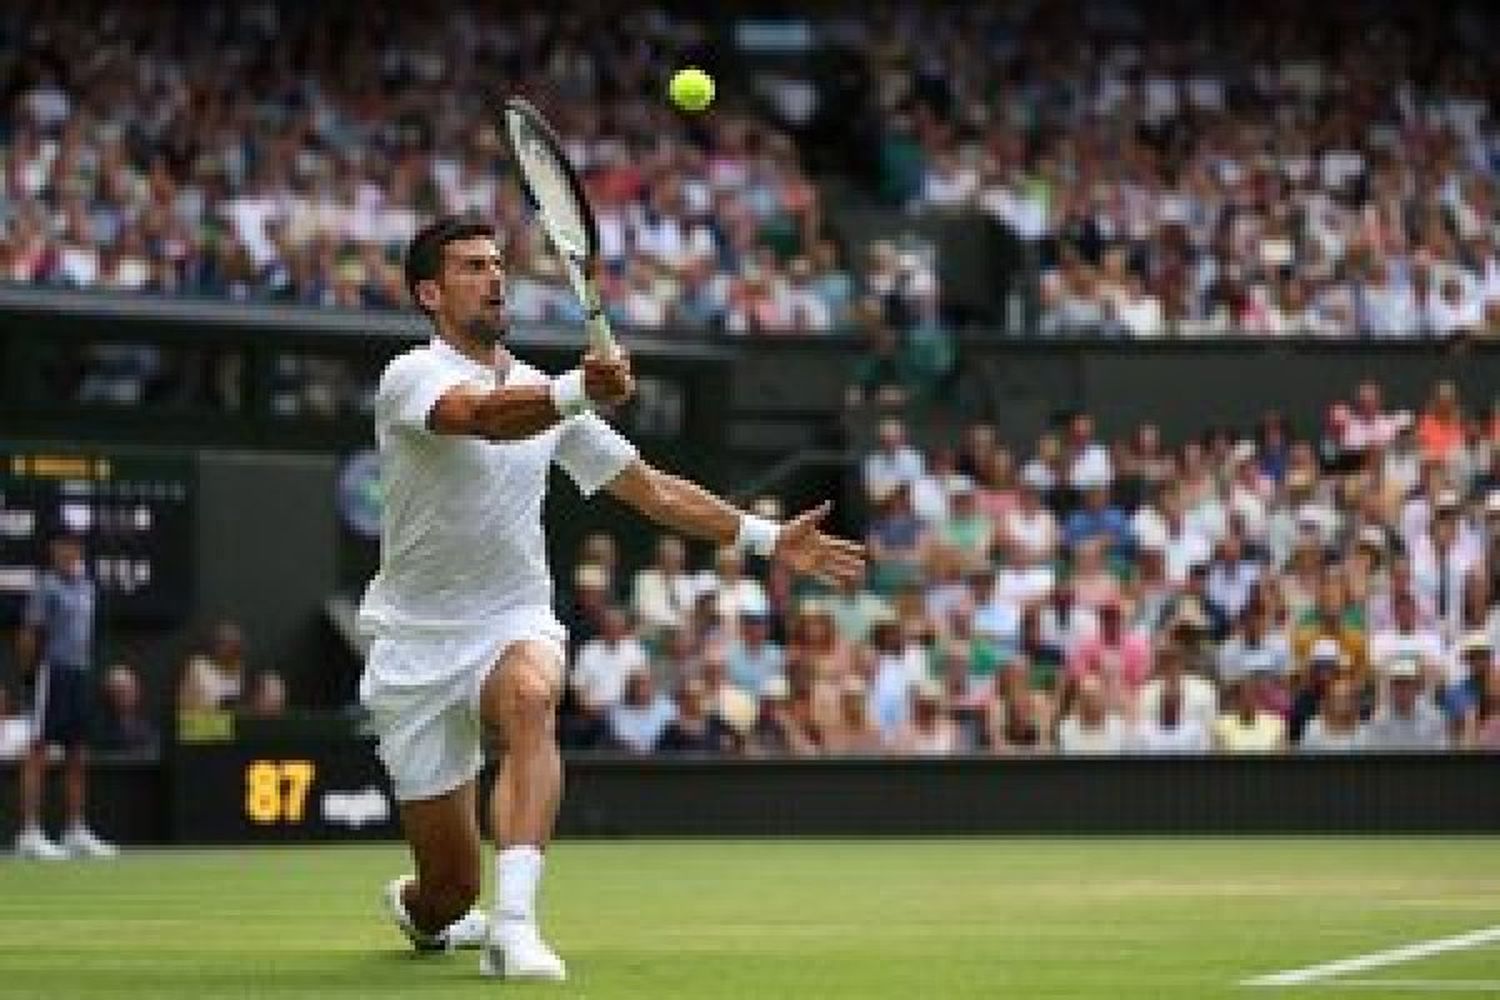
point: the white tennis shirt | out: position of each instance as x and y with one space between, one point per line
461 523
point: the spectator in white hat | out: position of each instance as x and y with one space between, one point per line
1245 726
1406 637
1337 727
1404 719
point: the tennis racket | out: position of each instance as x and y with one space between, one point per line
555 193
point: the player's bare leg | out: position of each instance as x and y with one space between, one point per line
32 842
78 840
434 908
519 700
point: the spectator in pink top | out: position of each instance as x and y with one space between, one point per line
1120 659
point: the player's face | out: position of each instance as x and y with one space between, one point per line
472 287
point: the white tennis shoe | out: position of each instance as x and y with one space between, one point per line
516 951
34 844
469 931
80 842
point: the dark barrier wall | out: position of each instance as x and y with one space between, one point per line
292 790
264 555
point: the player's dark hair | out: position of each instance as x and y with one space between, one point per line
424 254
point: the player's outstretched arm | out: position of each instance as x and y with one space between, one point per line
511 413
689 508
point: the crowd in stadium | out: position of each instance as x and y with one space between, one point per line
1178 168
1253 592
1287 169
272 152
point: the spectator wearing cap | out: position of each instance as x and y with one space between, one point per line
753 657
697 727
640 716
1246 726
1404 719
851 732
1337 728
893 462
605 663
661 594
928 730
1326 663
1092 727
966 529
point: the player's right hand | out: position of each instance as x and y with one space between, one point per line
608 381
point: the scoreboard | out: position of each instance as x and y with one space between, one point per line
134 508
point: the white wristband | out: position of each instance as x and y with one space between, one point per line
757 534
568 394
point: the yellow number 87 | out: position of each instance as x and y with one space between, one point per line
276 790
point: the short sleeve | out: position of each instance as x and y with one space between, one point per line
592 453
411 386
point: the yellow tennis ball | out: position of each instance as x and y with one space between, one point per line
691 89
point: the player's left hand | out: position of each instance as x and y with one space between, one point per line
608 380
806 549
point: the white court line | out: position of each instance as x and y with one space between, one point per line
1376 960
1425 985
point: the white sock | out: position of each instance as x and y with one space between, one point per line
518 872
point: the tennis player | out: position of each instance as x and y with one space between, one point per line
460 612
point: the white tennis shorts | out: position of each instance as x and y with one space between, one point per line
422 696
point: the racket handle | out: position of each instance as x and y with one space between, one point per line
601 337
